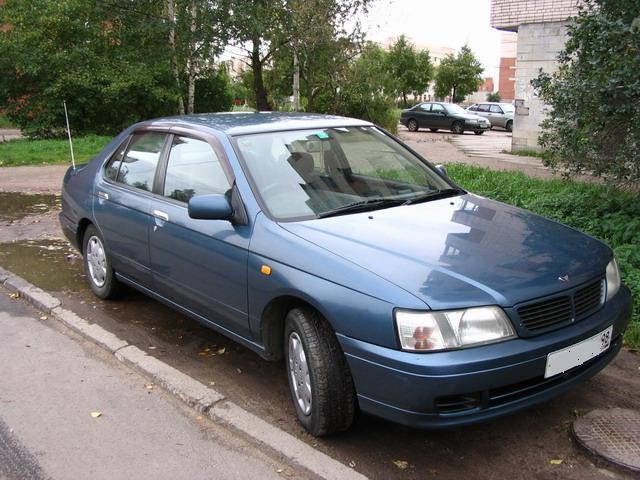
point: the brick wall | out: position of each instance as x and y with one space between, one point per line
509 14
507 85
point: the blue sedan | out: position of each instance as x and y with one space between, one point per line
326 242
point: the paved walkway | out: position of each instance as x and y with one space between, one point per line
7 134
68 410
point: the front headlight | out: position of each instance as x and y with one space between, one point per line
613 279
448 329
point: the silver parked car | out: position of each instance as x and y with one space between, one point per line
499 114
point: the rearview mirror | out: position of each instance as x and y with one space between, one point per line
441 168
210 207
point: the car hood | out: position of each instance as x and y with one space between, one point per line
461 251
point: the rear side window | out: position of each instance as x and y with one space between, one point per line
495 109
138 167
193 169
437 108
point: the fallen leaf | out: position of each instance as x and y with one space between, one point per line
401 464
15 295
152 348
149 386
44 317
352 464
96 414
221 351
238 370
280 470
555 461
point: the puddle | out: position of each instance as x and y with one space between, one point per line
50 264
15 205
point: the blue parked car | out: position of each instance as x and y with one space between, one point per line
325 241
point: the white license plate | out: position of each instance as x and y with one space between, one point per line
562 360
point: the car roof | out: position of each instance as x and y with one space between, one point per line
242 123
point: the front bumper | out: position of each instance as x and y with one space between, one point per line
431 390
477 126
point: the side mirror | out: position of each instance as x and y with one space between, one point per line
210 207
443 171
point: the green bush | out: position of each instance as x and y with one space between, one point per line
594 120
606 213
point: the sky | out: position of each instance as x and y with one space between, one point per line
448 23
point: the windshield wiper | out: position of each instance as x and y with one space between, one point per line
364 205
435 195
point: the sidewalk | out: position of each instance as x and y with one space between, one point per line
50 385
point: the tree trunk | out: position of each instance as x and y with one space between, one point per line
404 98
262 102
191 68
453 95
296 83
174 57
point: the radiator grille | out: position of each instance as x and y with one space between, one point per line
557 311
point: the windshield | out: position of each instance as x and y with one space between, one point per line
455 109
312 173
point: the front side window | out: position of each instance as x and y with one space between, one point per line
483 108
193 169
138 167
312 173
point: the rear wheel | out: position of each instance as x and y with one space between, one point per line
319 377
509 126
97 266
457 128
434 130
412 125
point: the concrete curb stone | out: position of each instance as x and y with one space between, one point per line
187 389
281 441
91 331
204 399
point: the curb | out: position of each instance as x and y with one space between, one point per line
195 394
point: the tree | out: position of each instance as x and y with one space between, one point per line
197 33
594 96
103 59
458 75
408 71
493 97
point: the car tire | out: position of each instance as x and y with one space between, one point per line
319 378
509 126
412 125
97 266
457 128
478 132
434 130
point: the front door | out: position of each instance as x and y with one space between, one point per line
122 203
198 264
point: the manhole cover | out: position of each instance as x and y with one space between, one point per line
613 434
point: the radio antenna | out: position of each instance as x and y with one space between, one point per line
66 116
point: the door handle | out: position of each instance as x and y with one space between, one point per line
161 215
103 195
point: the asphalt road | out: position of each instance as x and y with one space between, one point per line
51 384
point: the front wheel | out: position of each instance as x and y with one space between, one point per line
319 377
97 266
509 126
479 132
457 128
412 125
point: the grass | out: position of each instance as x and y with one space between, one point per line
611 215
528 153
6 123
44 152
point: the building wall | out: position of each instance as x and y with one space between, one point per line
538 47
509 14
507 79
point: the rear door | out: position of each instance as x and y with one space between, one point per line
122 203
496 116
439 117
198 264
